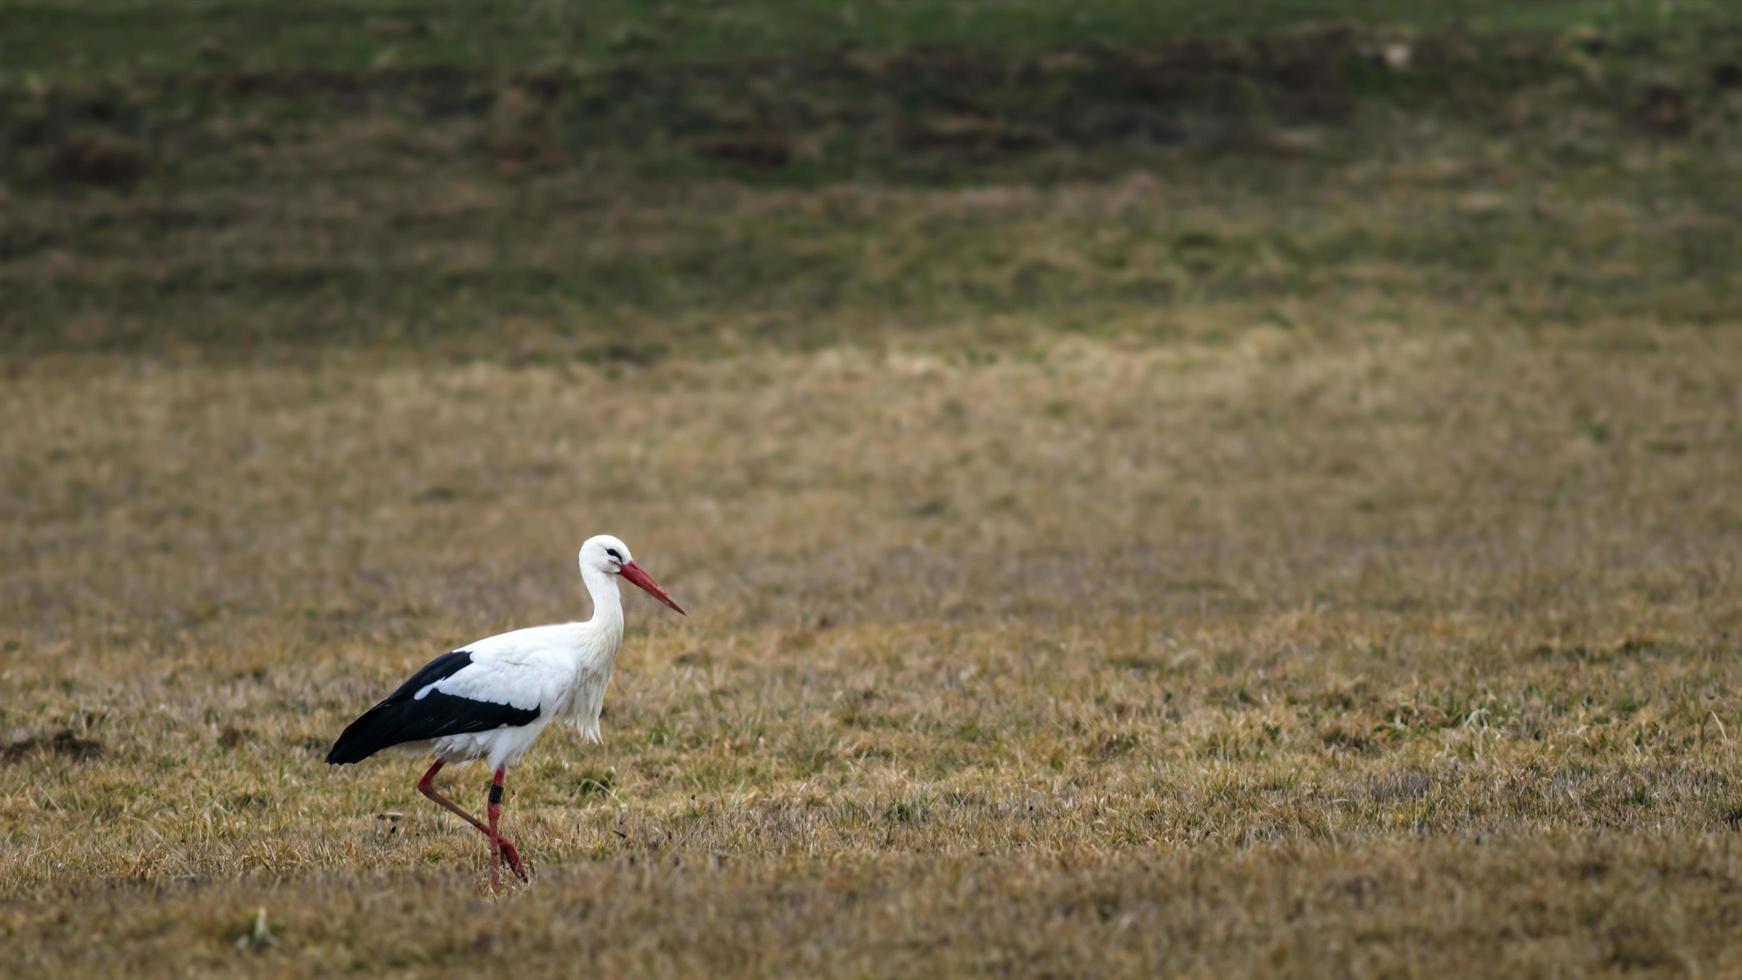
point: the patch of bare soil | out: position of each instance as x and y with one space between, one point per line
64 743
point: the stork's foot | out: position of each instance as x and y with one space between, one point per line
512 856
504 851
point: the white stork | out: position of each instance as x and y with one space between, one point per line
490 699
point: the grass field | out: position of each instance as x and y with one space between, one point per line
1156 491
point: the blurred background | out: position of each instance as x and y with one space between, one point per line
306 265
1169 415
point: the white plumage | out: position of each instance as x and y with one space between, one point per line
560 671
491 699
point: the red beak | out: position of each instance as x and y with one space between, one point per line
636 574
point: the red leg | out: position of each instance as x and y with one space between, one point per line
426 786
500 848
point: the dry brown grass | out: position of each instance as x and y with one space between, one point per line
1347 650
1149 503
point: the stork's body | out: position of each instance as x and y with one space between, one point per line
490 699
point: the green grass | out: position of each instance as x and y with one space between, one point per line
1158 491
1101 193
77 39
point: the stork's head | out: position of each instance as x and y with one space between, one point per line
608 554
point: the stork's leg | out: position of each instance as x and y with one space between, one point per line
500 848
426 786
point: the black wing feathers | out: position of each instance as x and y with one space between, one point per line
404 717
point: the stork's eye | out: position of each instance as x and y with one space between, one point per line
614 555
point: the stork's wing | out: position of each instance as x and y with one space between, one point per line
451 695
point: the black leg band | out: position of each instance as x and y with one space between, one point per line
495 792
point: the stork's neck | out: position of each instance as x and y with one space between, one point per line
605 630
